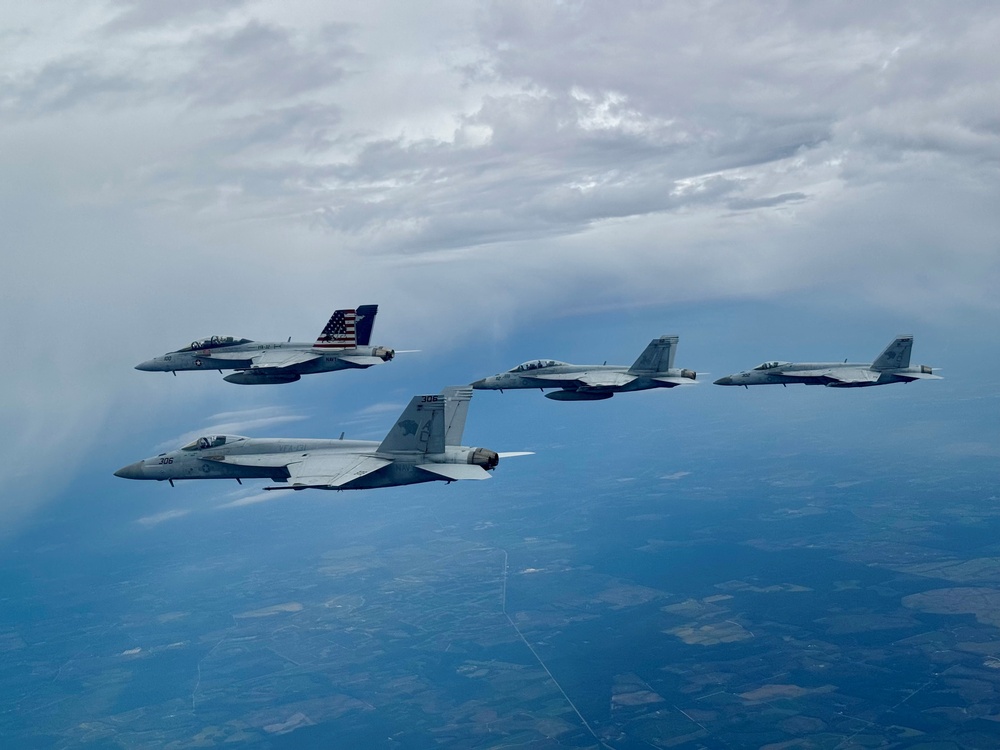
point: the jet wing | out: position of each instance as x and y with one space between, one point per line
278 358
837 374
332 470
456 471
592 379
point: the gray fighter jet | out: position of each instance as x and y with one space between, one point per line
653 369
423 446
892 366
342 345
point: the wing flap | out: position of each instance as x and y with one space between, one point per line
455 472
590 379
332 470
838 374
278 358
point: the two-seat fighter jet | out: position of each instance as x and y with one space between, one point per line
653 369
423 446
892 366
342 345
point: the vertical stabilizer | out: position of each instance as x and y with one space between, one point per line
419 429
896 355
456 408
657 357
339 332
364 323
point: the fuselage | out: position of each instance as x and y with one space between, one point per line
512 379
228 357
784 373
215 457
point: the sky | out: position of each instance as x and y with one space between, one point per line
506 180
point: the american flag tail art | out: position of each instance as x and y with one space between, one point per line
340 331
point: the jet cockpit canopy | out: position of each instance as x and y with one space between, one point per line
536 364
211 441
769 365
214 342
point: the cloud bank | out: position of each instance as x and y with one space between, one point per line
238 164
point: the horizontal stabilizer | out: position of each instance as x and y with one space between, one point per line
359 361
920 376
455 472
670 381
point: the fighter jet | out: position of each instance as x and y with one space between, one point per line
423 446
892 366
342 345
653 369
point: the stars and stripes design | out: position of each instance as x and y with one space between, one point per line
339 332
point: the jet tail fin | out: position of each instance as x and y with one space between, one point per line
419 429
456 408
656 357
896 355
364 323
340 331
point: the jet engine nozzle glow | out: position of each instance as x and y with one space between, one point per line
383 353
689 374
926 370
483 457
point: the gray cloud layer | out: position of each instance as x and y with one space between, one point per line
577 153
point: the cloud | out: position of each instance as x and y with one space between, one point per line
234 167
233 423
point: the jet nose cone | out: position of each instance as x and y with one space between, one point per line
479 384
148 366
132 471
728 380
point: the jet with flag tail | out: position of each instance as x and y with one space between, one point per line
653 369
343 345
424 445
